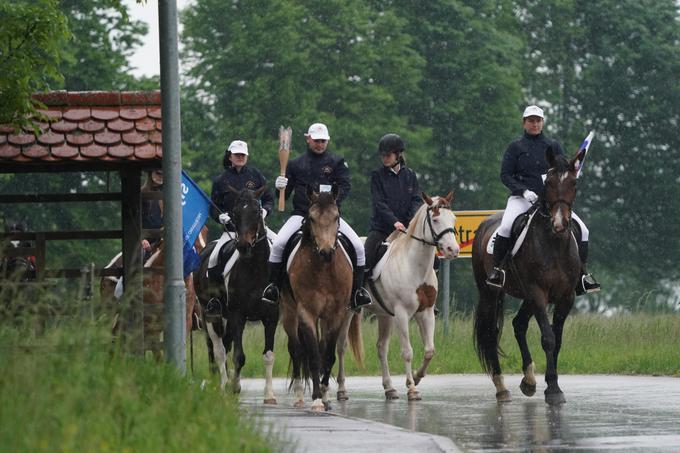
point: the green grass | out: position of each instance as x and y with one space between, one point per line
64 390
592 344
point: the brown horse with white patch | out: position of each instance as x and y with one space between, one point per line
314 302
407 288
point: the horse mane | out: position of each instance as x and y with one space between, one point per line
399 239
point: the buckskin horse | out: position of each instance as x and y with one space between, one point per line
407 288
545 270
315 300
241 294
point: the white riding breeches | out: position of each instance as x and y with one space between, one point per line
295 222
517 205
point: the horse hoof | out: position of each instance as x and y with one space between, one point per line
391 395
299 404
342 395
414 396
318 406
555 398
527 389
416 379
270 401
327 405
503 396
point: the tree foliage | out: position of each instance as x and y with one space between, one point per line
31 37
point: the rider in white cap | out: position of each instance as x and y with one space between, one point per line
318 169
522 170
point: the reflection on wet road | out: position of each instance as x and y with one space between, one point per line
602 412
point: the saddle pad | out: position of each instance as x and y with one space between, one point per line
297 247
230 264
518 241
379 266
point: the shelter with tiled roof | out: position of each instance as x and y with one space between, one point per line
110 131
87 130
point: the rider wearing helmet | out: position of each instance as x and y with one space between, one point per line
319 169
524 163
395 195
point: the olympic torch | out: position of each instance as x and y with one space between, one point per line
285 134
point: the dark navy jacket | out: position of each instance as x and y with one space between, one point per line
395 197
247 178
524 162
313 169
152 218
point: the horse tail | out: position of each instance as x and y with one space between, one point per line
487 332
356 341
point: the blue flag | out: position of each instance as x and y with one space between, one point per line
195 212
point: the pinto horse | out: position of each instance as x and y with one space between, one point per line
407 288
241 294
315 300
545 270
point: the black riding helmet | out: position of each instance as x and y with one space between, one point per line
390 143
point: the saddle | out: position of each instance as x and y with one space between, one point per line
293 243
520 227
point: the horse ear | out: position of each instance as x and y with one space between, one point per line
449 197
258 193
426 199
311 194
577 161
550 156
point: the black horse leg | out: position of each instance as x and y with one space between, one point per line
328 361
236 326
559 318
313 361
296 357
268 358
553 394
520 324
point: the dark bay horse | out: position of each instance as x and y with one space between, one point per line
241 294
545 270
315 300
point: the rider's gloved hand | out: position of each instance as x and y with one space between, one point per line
224 218
281 182
264 213
530 196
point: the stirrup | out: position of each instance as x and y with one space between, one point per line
496 278
270 295
587 285
213 310
361 299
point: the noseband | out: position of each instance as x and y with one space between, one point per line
436 237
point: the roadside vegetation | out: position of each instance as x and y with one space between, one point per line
592 344
63 388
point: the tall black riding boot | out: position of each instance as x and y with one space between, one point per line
360 296
271 292
587 283
501 246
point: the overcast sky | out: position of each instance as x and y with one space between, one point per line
146 60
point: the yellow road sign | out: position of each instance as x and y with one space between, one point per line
467 223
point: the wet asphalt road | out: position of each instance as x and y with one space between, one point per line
602 413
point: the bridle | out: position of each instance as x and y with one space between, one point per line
317 249
549 206
436 237
260 232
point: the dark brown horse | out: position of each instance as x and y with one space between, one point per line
545 270
240 295
315 301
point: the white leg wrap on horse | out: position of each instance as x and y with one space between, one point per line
268 360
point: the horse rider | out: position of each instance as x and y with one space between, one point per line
320 169
152 210
395 196
238 175
524 164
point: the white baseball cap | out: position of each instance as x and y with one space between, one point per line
318 131
238 147
533 110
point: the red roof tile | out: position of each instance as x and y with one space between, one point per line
99 125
